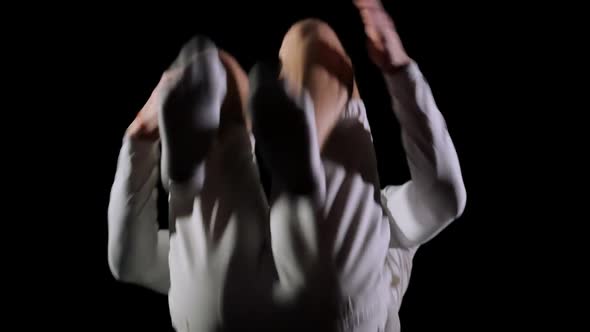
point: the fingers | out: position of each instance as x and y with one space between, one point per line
378 25
368 4
376 17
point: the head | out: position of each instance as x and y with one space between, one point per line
313 43
313 59
233 107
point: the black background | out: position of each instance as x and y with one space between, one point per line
466 279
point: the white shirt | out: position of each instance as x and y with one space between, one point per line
411 213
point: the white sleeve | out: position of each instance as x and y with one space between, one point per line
137 249
435 195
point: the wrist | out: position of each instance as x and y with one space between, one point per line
398 58
397 65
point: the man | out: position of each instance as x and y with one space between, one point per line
213 247
341 248
350 249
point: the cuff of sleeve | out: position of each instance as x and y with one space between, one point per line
409 95
399 81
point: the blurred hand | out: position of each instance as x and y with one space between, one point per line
383 42
145 124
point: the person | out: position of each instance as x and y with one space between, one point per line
341 249
210 256
350 251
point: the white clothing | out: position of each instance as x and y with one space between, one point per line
368 235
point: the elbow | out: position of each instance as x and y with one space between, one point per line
453 199
118 254
459 200
121 262
447 204
119 267
117 271
462 202
122 270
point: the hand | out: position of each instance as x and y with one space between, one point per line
145 124
383 42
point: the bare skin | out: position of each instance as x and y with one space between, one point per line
314 59
336 81
383 42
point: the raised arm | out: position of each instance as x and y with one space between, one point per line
435 195
137 249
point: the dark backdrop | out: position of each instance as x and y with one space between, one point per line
118 55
